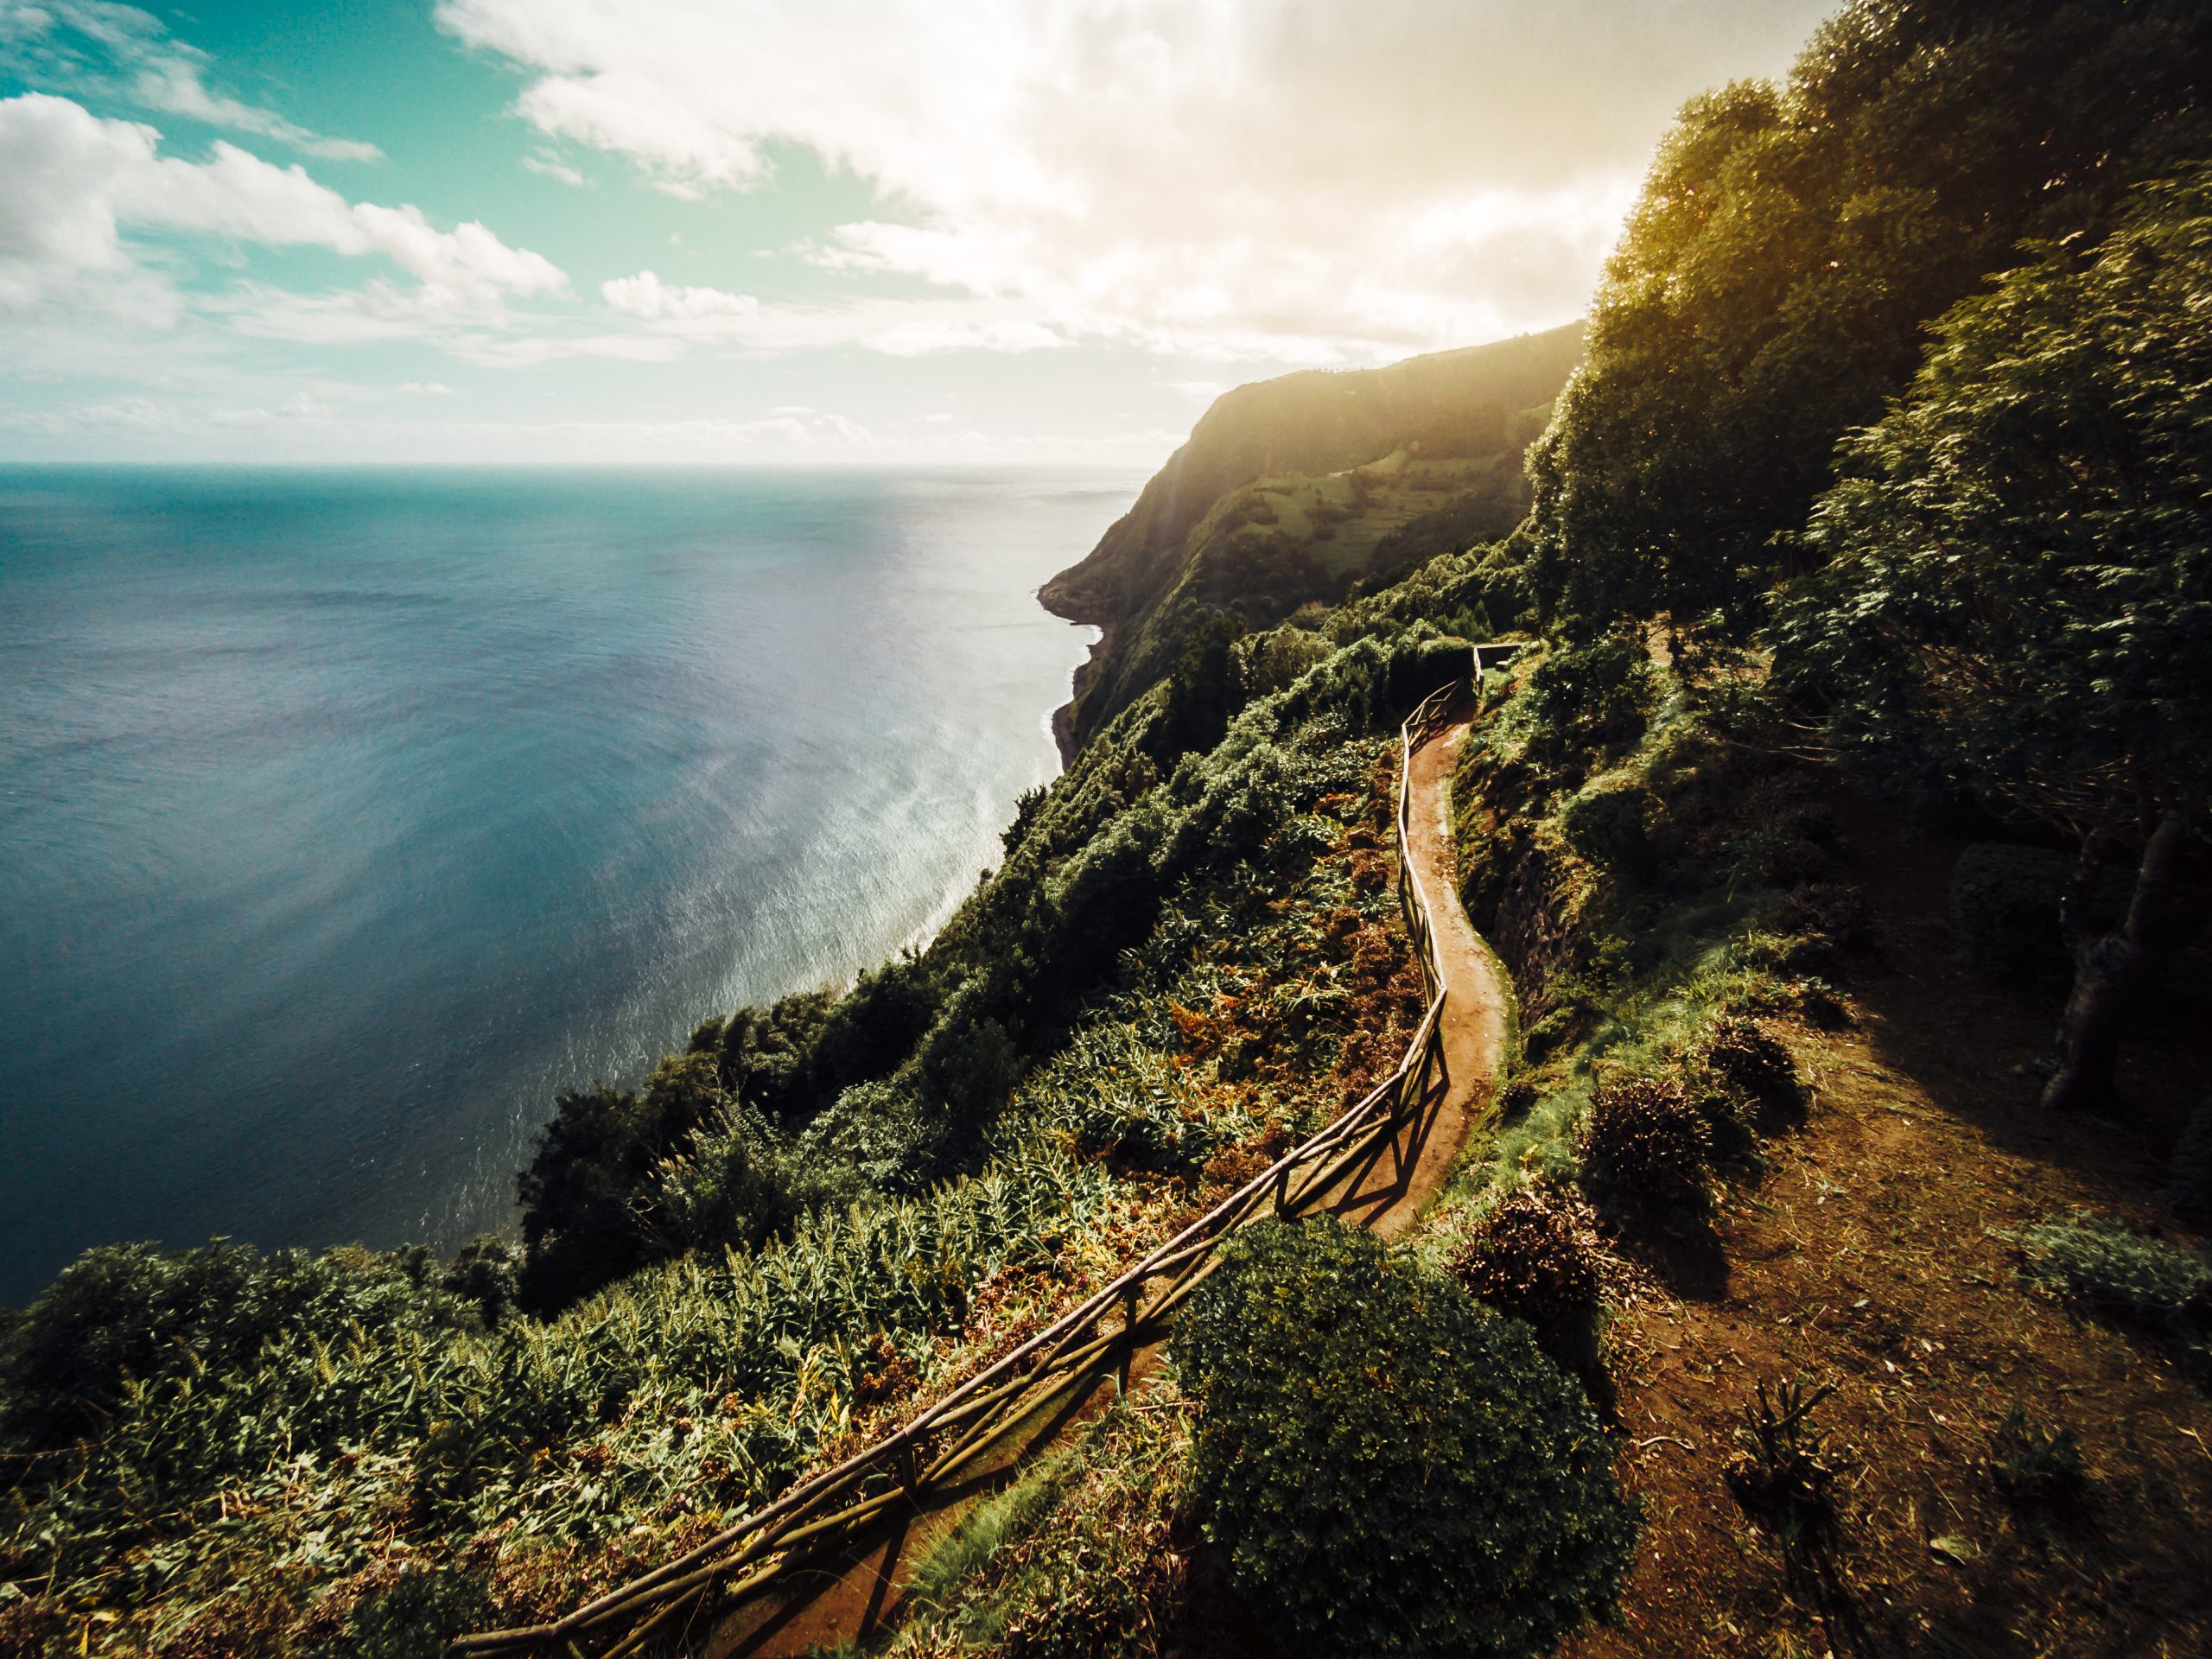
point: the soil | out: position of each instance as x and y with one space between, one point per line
863 1595
1867 1257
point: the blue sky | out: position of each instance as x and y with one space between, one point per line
740 230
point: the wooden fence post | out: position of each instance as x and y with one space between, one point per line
1129 1339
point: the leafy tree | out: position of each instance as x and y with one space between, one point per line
764 1053
1389 1465
1203 693
867 1033
1771 288
2019 592
586 1220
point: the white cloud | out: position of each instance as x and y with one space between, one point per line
1337 179
893 327
71 183
553 168
119 50
173 85
299 407
645 295
121 414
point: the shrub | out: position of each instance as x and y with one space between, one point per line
764 1052
2102 1265
735 1187
1752 1063
1271 661
1591 697
2035 1467
1527 1259
2005 905
1418 666
1783 1472
879 1132
966 1063
485 1273
587 1218
1646 1143
1391 1466
1834 911
872 1028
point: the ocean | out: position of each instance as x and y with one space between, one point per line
347 815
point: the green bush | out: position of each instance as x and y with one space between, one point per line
1418 666
763 1051
1592 696
2106 1266
879 1131
588 1214
1646 1143
1390 1467
2005 905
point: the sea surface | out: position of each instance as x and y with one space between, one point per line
345 816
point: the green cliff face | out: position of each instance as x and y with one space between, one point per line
1291 490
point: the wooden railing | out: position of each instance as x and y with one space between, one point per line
825 1515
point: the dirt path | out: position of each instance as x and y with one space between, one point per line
1871 1257
858 1599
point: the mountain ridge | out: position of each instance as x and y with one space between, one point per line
1478 405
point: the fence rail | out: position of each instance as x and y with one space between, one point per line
825 1514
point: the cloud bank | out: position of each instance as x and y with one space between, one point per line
72 183
1215 177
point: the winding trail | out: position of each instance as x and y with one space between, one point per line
857 1597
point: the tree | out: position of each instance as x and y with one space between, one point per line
1772 287
2018 596
589 1209
1203 694
1390 1466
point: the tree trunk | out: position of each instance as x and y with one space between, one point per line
2111 968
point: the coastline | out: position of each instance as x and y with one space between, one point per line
1064 716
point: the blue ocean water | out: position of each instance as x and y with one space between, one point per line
347 815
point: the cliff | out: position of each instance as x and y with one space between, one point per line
1290 489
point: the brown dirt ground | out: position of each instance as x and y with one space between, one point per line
1864 1258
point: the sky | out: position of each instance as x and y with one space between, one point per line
779 232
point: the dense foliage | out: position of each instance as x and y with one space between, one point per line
2018 598
1769 292
2018 583
1388 1465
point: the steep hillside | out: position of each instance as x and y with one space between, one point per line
1286 488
